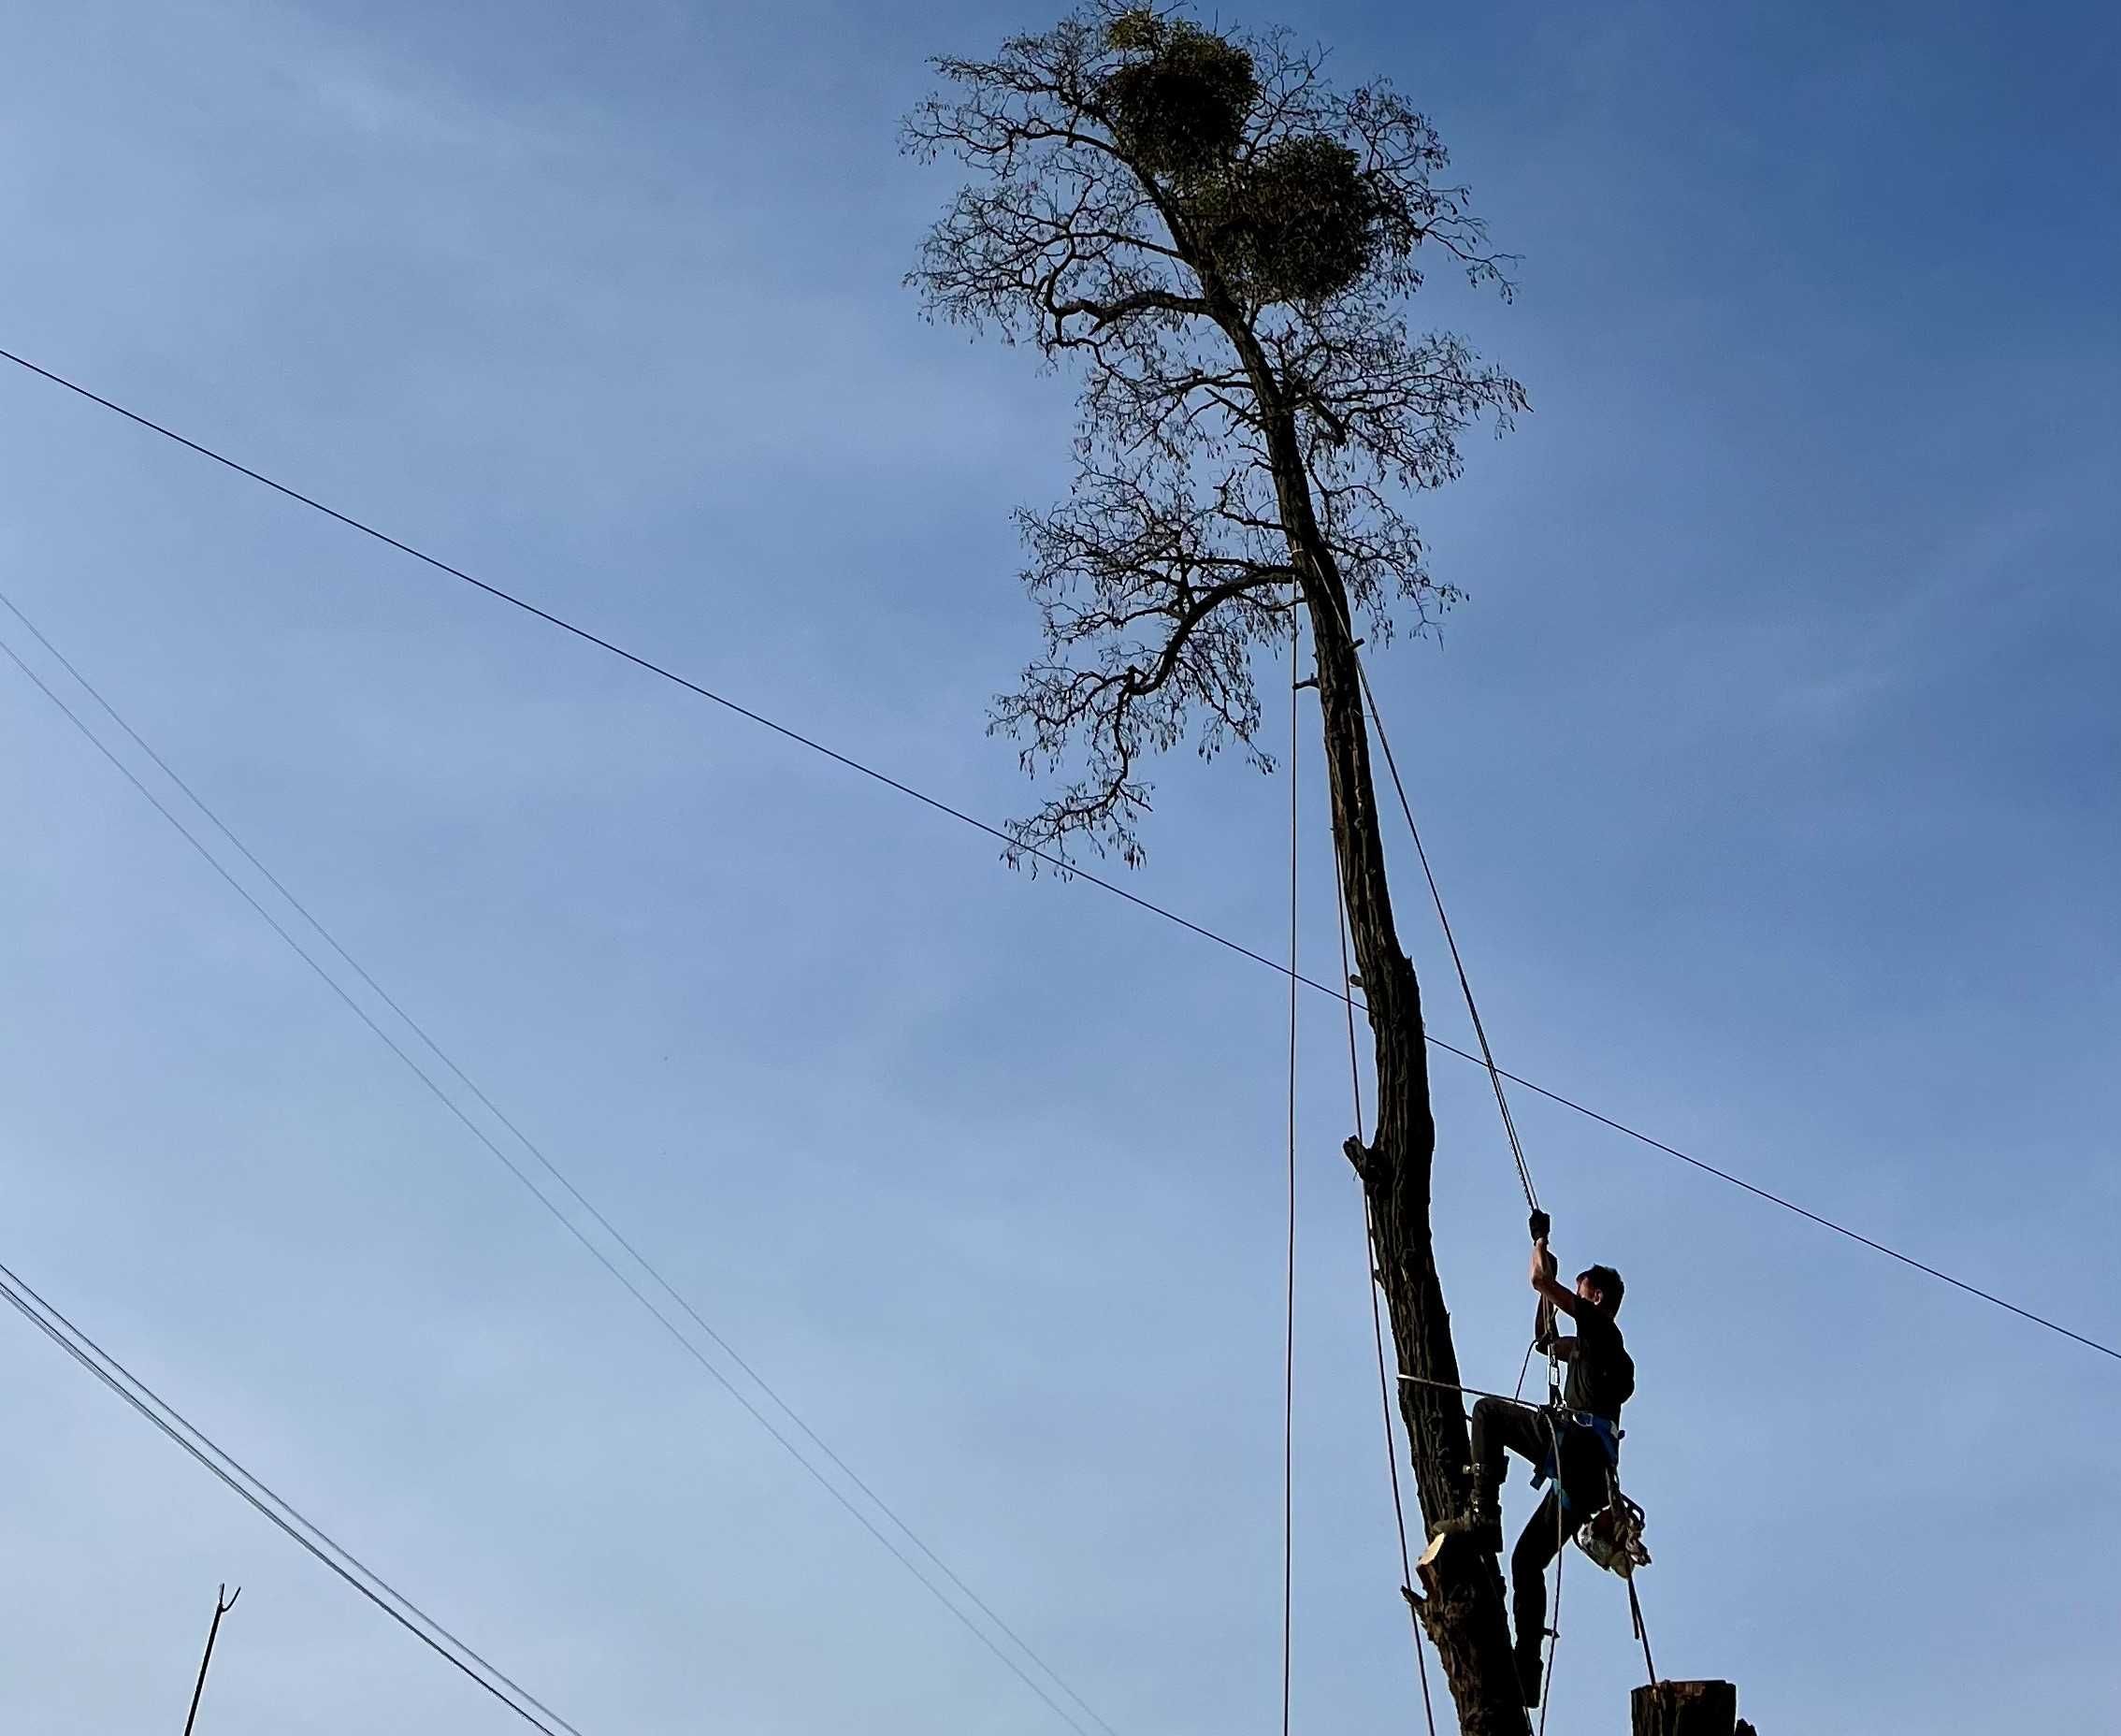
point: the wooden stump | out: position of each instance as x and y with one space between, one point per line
1684 1709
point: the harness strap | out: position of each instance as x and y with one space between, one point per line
1600 1429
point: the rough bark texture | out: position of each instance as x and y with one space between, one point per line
1464 1611
1686 1709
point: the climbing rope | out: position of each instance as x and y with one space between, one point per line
1523 1368
1469 1392
1516 1153
1377 1315
1465 985
1289 1320
1561 1549
1641 1633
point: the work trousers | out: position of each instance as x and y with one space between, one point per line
1498 1429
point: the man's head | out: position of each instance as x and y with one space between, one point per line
1602 1285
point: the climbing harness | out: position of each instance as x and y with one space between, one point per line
1611 1533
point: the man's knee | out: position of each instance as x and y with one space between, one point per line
1488 1436
1534 1549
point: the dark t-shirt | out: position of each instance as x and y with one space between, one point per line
1601 1374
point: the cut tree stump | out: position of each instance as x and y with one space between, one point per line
1685 1709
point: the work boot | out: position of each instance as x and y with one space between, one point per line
1531 1671
1481 1519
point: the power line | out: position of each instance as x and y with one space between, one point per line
493 1109
573 1229
1060 863
1823 1222
379 1591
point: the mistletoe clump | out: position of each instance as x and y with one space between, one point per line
1180 97
1292 219
1299 221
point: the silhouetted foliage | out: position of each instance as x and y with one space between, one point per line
1297 223
1180 96
1225 244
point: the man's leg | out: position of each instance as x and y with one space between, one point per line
1498 1427
1528 1563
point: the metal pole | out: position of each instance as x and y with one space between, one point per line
223 1603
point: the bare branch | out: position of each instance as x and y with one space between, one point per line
1255 410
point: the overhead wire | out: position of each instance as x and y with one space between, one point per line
276 1508
516 1170
543 1159
1072 869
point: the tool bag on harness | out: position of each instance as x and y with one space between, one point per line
1612 1533
1612 1536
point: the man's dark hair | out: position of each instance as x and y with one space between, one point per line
1608 1283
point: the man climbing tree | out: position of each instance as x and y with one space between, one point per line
1573 1447
1223 246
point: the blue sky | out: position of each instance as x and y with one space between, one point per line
1769 768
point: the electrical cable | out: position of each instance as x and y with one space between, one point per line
536 1151
575 1230
1059 863
231 1472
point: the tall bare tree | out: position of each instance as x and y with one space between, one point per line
1223 246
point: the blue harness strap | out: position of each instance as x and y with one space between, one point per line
1600 1428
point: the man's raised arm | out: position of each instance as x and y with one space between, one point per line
1544 1268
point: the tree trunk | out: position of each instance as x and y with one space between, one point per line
1464 1611
1685 1709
